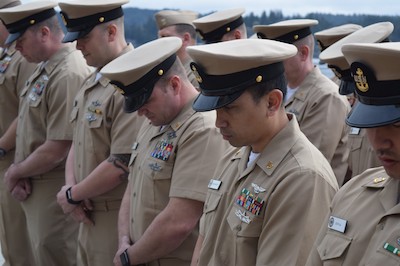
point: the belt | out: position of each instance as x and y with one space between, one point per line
106 205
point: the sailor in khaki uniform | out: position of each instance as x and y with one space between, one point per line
361 155
265 200
363 225
327 37
97 165
172 158
179 23
14 71
222 26
312 97
43 132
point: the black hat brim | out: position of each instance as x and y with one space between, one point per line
367 116
205 103
71 36
13 37
133 103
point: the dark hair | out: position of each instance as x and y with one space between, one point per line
257 91
181 29
52 23
176 69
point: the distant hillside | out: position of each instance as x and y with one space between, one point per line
140 26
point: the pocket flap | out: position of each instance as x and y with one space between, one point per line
333 246
74 114
212 201
355 143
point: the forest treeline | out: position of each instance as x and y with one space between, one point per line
140 26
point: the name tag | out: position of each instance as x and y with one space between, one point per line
337 224
354 131
214 184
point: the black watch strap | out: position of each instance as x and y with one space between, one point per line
69 197
125 258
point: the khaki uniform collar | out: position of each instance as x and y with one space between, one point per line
62 53
388 194
183 116
274 153
304 89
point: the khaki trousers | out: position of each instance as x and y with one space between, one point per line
14 238
53 234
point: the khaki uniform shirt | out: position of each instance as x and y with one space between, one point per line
364 224
176 161
46 101
266 213
362 156
321 113
101 127
14 72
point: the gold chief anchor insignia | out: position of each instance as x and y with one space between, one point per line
361 80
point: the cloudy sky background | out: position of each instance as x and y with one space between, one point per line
288 7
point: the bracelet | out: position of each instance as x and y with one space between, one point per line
124 257
3 152
69 197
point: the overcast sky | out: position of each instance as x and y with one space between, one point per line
288 7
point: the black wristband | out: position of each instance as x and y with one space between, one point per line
125 258
3 152
69 197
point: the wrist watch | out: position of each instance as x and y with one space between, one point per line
125 258
69 197
2 152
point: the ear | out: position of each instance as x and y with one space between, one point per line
186 39
274 100
112 32
44 33
237 34
304 52
176 84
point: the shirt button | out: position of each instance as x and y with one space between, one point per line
239 227
381 226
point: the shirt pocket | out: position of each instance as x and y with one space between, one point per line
212 201
132 158
156 169
211 204
95 123
74 115
34 100
244 223
387 251
157 175
356 143
333 247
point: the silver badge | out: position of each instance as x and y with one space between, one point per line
242 216
257 188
